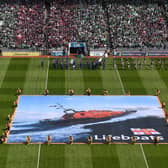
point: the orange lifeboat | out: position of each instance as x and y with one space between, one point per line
94 114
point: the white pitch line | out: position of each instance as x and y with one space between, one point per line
123 90
144 156
121 83
46 81
38 159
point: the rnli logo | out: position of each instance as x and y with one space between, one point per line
144 131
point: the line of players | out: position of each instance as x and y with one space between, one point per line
139 63
108 139
71 92
101 63
5 134
66 63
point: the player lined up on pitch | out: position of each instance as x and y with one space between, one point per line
88 92
6 132
134 63
111 63
71 92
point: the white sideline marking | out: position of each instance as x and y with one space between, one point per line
38 159
121 83
144 156
123 90
46 82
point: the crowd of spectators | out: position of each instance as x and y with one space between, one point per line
8 24
72 23
30 25
60 28
166 9
21 24
33 25
138 26
92 25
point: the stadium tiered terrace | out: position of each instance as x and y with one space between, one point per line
38 24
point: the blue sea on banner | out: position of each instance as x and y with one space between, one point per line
81 116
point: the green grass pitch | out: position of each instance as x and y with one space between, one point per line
27 74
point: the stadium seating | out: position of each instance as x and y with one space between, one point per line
72 23
35 25
138 26
30 24
8 25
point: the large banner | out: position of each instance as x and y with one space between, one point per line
97 53
57 53
158 53
141 53
80 116
15 54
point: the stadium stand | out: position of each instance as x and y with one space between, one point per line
8 24
72 23
51 24
30 24
138 26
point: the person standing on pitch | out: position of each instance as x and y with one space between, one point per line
55 63
105 92
133 140
88 91
108 139
152 63
62 65
80 64
71 139
49 139
42 62
104 64
71 92
156 140
88 64
67 64
18 91
74 64
157 92
90 139
114 64
46 92
28 139
93 65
